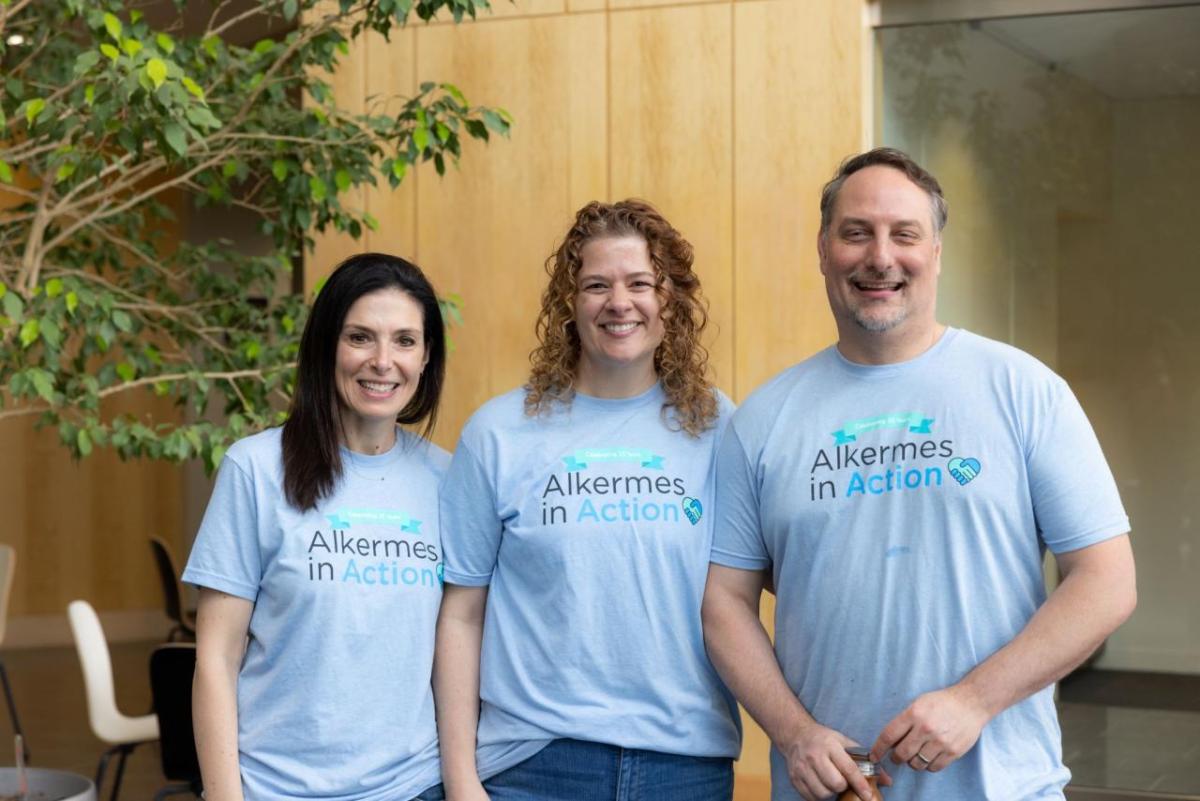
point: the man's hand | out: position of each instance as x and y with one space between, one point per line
819 766
935 730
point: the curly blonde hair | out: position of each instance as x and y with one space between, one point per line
680 361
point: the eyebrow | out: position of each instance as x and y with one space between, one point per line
862 221
369 330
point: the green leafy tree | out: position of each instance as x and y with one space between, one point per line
110 118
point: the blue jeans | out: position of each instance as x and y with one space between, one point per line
574 770
434 793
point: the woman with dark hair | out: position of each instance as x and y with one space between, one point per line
570 660
319 564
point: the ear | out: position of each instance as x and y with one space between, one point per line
937 256
822 247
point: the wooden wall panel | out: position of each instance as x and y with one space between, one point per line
671 141
485 231
350 86
797 98
82 529
390 79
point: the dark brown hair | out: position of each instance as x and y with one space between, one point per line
312 435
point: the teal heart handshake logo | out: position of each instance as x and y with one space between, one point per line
693 510
964 470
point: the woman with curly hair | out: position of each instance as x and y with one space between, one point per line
576 525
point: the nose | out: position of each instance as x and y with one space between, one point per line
381 357
619 299
881 254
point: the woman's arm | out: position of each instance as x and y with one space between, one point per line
456 688
222 622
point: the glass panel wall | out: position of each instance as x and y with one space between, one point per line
1069 149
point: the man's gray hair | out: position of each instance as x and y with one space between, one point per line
885 157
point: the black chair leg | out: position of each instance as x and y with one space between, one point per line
116 789
122 751
101 767
12 711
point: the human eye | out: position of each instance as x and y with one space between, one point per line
594 285
407 340
855 234
357 338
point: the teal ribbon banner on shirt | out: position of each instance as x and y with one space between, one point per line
377 517
914 422
582 458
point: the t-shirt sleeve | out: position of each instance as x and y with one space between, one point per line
471 526
1075 498
737 533
226 554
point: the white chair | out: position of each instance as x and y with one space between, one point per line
121 732
8 568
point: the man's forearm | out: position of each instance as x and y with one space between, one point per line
1097 594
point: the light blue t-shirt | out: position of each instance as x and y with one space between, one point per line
334 698
592 525
904 510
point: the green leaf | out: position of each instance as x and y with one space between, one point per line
131 46
290 7
122 320
279 169
193 87
264 46
201 117
156 71
210 46
50 333
316 189
29 333
33 108
342 179
84 442
165 43
54 287
126 371
176 138
370 222
89 94
85 61
455 92
110 51
399 168
14 307
421 138
443 133
72 302
113 25
65 171
5 172
229 169
494 121
43 383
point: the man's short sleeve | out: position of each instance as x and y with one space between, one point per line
471 527
226 554
737 534
1075 499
